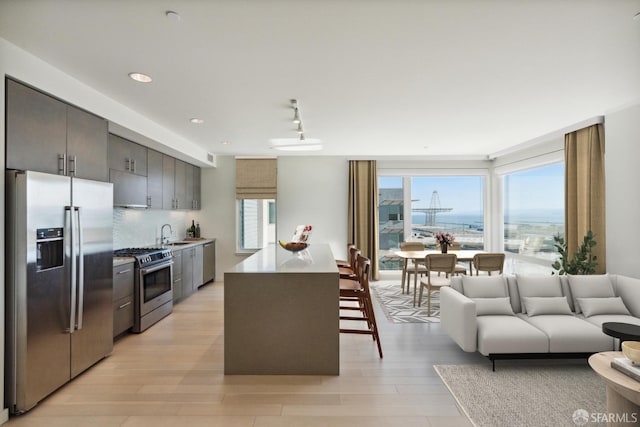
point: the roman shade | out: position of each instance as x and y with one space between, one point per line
256 178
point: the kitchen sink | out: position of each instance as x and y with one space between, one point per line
177 243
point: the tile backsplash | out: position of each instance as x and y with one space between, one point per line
141 227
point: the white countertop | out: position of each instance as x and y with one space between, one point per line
317 258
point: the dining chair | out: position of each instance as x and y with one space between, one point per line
359 292
488 262
436 263
411 264
460 269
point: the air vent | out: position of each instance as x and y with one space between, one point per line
211 158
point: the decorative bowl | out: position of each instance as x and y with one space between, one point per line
631 350
293 246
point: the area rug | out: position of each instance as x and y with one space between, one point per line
535 395
398 307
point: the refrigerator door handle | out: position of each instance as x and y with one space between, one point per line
80 270
69 210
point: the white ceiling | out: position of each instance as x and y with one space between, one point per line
373 77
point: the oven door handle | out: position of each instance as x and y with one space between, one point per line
155 267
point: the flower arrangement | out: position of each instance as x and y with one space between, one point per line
444 238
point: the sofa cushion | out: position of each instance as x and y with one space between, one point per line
484 286
595 286
456 283
538 286
570 334
620 318
628 288
509 334
512 286
493 306
566 291
595 306
537 306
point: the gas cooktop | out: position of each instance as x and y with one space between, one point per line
145 256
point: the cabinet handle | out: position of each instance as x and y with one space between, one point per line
127 164
62 164
124 271
133 165
149 201
124 305
73 161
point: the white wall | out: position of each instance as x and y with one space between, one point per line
622 169
311 190
314 191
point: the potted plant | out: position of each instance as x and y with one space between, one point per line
583 261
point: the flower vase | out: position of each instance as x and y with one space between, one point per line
443 247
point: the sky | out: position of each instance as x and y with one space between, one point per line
539 188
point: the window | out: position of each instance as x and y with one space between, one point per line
416 207
533 201
390 220
256 189
256 219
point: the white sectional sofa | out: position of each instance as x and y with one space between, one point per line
508 317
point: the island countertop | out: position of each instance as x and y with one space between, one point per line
275 259
281 313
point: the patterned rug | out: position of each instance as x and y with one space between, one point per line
399 307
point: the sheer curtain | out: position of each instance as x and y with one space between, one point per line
585 190
363 210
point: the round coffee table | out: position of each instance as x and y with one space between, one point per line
623 392
622 331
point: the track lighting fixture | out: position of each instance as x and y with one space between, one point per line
300 143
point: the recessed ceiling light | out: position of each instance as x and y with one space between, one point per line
225 143
140 77
196 121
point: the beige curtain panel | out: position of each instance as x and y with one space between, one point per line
585 190
363 210
256 178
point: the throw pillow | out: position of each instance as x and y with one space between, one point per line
538 286
596 286
628 289
484 286
537 306
493 306
595 306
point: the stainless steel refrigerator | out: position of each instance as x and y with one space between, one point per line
59 315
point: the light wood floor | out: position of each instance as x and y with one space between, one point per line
172 375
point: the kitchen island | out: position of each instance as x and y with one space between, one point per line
281 313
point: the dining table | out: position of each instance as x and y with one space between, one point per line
462 254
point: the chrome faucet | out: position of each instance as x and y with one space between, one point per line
162 238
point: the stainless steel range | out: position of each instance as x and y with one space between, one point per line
153 278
